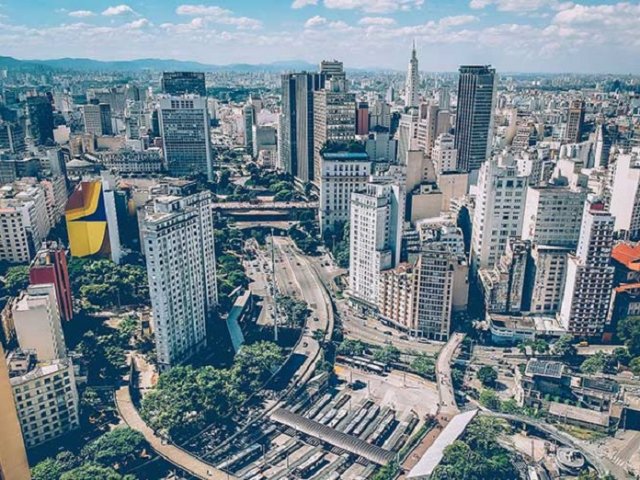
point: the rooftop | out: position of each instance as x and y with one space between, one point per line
544 368
579 414
628 255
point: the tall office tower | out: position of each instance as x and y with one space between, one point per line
179 246
40 115
36 319
380 115
375 237
332 69
184 124
428 128
575 119
624 193
412 85
287 127
407 134
474 118
444 99
499 210
342 174
50 266
605 137
97 118
12 137
183 83
380 147
553 215
444 154
589 282
504 285
13 457
334 118
362 118
249 120
546 274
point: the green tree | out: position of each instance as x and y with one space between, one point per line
16 279
91 471
350 348
387 354
593 364
564 346
629 332
489 398
90 399
487 375
119 447
47 469
424 366
634 366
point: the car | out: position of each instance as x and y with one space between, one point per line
357 385
387 332
404 337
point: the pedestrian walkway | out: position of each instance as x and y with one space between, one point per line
171 453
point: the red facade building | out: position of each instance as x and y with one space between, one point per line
50 266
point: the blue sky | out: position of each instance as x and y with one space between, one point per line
513 35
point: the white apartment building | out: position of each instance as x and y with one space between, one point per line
179 247
444 154
587 292
553 215
342 174
396 296
46 397
15 239
498 211
624 193
375 237
36 319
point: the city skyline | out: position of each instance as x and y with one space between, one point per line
512 35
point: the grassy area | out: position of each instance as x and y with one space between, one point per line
581 433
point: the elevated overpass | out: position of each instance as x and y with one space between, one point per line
263 211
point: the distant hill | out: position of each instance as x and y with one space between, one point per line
89 65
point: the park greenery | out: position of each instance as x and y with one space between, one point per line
296 311
424 365
477 454
350 348
336 238
101 284
16 279
487 375
102 459
387 354
186 399
629 333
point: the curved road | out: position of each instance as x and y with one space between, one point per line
448 406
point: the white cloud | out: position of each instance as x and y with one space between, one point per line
303 3
376 21
374 6
315 22
118 10
140 23
517 6
214 14
81 13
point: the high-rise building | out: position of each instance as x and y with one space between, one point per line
249 120
624 193
36 320
428 128
546 272
498 212
12 137
412 85
92 221
444 154
179 247
362 118
407 134
183 83
97 119
184 125
575 120
13 457
46 397
444 99
589 281
40 115
342 174
334 117
50 266
474 117
553 215
375 237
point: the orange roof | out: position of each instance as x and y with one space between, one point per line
628 255
627 287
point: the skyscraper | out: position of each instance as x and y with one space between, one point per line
249 120
411 95
575 119
40 115
362 118
97 119
474 119
499 210
589 281
184 125
179 248
376 217
13 457
183 83
50 266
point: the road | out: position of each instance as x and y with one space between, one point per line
448 406
178 457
